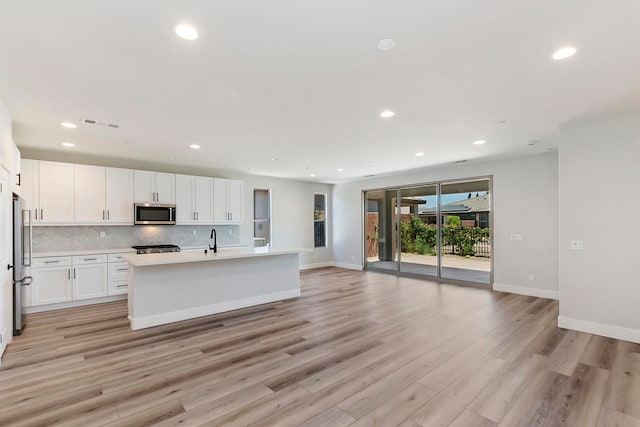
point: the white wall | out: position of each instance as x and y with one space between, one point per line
6 221
599 160
292 201
525 200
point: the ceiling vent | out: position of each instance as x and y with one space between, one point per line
97 123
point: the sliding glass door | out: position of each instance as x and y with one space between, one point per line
418 230
381 238
439 230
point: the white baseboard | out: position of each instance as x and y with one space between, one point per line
317 265
190 313
347 266
71 304
522 290
611 331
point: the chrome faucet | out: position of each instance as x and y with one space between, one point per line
214 236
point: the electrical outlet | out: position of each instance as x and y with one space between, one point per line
532 277
516 236
230 232
577 245
195 232
103 234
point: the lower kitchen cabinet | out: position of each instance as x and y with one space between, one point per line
51 285
73 278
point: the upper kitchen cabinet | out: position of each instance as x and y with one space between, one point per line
103 195
119 196
194 199
53 202
156 187
29 179
15 171
89 188
227 201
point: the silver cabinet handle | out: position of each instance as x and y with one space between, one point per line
74 273
103 218
121 286
51 262
41 213
107 214
231 216
90 259
197 215
36 214
122 269
69 274
194 215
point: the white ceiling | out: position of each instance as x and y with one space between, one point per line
302 81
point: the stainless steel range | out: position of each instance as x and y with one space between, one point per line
156 249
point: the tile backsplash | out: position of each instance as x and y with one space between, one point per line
73 238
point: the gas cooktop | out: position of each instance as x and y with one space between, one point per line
156 249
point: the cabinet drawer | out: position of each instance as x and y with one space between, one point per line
52 261
118 286
118 269
89 259
120 257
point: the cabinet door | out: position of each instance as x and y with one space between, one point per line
89 194
15 171
165 187
29 182
185 211
203 199
220 206
144 186
90 281
56 193
119 196
235 200
51 285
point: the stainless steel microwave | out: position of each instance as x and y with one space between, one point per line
154 214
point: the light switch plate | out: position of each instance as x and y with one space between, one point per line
577 245
516 236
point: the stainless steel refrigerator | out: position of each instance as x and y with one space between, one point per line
22 252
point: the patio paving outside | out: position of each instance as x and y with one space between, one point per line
472 269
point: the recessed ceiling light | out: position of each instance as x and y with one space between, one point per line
479 142
419 154
275 159
172 158
564 52
68 144
387 114
312 174
194 146
68 125
502 122
340 169
374 163
385 45
186 32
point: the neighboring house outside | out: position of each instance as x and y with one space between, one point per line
473 212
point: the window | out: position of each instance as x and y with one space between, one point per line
319 221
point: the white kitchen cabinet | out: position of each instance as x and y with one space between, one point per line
118 277
52 282
90 194
55 193
15 171
90 277
194 198
29 180
227 201
119 196
103 195
156 187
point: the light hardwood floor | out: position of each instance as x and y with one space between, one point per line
357 348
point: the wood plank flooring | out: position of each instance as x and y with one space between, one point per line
357 348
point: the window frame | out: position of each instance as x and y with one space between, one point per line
323 220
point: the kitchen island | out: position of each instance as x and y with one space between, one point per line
169 287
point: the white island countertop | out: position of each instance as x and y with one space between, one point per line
199 256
